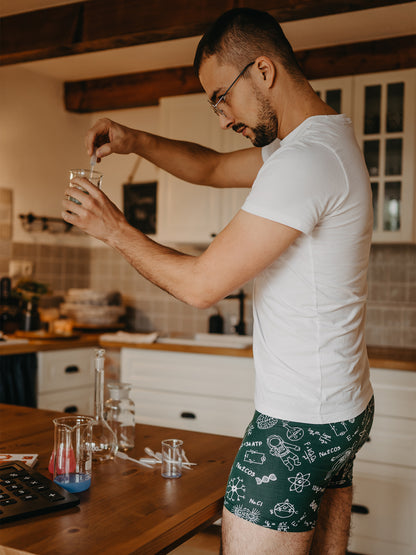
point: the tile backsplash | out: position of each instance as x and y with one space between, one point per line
391 309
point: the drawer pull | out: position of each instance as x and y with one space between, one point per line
71 409
190 415
360 509
71 369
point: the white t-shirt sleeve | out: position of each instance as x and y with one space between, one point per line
292 187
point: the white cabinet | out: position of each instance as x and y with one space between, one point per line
383 111
66 380
385 124
205 393
385 470
187 213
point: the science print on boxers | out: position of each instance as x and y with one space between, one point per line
282 468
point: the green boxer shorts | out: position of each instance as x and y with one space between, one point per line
282 468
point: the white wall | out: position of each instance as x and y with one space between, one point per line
40 141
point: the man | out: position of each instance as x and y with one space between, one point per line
304 235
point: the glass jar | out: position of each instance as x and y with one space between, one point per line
120 413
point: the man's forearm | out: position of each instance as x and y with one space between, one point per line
188 161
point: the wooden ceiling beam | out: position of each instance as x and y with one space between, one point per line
146 88
96 25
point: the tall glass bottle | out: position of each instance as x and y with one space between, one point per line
120 414
104 440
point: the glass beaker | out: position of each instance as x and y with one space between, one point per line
72 452
104 440
93 177
119 413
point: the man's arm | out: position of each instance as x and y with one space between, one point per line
188 161
243 249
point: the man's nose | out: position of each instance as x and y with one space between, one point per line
225 121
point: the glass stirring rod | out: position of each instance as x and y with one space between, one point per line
93 161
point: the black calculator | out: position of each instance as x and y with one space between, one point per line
25 492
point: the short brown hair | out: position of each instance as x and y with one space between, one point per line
240 35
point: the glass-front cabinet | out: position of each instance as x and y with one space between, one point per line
385 125
337 93
382 108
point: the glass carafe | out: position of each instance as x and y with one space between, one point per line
104 440
120 413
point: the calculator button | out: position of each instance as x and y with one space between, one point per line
52 495
29 497
4 496
40 487
21 491
14 474
8 502
12 487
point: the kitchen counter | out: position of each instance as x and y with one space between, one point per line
380 357
56 344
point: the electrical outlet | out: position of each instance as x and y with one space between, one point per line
20 269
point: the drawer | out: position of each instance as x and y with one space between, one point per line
389 526
394 392
211 375
392 441
65 369
198 413
80 401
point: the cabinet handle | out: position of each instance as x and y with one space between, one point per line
190 415
71 369
360 509
71 409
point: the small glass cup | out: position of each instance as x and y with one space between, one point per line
93 177
72 455
172 458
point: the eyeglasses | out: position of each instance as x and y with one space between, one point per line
217 110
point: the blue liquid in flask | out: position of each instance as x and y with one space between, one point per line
73 483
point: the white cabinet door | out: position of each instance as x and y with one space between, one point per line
384 511
66 380
207 393
385 124
187 213
231 200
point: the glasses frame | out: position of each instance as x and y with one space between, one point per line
214 106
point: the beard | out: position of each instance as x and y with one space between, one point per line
265 130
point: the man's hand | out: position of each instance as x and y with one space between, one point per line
107 137
96 215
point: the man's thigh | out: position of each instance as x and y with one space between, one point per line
240 536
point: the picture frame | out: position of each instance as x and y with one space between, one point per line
139 206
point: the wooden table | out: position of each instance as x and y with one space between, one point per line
129 508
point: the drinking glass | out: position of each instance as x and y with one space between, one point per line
172 458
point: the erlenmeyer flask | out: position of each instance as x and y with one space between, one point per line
104 440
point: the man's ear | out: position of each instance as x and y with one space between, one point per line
266 71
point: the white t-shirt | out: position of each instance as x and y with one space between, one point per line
309 305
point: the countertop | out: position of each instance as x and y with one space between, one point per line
380 357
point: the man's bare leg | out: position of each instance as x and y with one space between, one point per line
242 537
333 525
